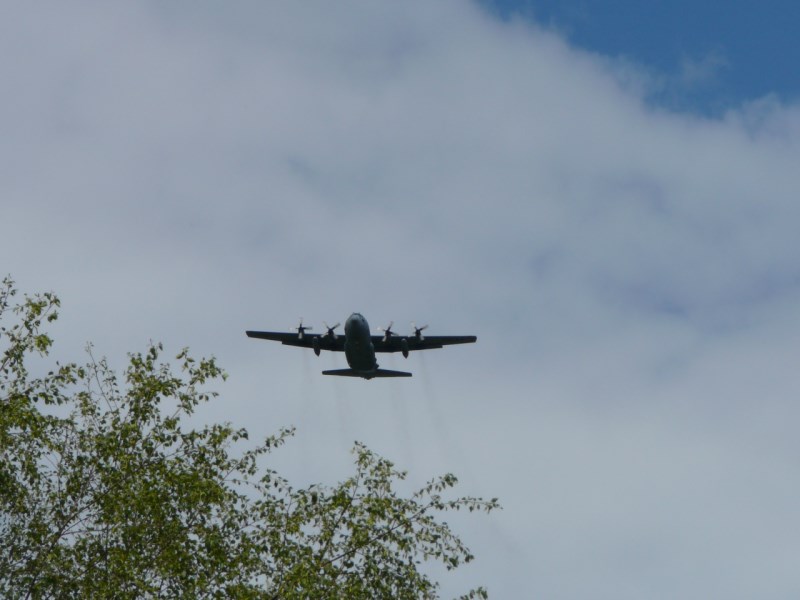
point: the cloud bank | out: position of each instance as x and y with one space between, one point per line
185 172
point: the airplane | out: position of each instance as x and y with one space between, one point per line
359 346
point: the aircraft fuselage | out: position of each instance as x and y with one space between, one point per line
358 348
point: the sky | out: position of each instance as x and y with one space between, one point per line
706 57
183 172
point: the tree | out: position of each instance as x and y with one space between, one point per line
105 491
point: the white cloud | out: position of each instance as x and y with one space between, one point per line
702 71
186 172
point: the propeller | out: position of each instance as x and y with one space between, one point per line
301 329
418 331
330 329
387 332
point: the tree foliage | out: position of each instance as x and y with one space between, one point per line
106 491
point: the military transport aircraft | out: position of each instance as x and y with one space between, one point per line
359 346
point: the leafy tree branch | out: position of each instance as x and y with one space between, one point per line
107 492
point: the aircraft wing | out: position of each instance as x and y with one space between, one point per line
307 340
399 343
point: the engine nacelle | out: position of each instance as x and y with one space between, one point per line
404 347
315 345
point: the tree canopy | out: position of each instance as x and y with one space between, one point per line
107 491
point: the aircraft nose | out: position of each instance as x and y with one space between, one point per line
352 321
355 323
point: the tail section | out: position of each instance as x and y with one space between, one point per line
366 374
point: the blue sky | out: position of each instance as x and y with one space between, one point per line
712 55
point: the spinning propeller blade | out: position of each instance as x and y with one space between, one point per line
387 332
301 329
418 331
330 329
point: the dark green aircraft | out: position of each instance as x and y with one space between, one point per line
359 346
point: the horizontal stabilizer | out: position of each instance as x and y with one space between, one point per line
367 374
